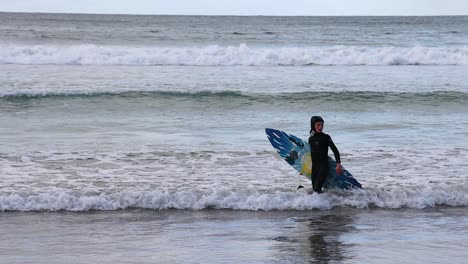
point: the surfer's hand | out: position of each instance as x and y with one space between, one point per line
339 169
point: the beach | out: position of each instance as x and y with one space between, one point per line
141 139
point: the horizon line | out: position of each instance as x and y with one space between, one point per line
218 15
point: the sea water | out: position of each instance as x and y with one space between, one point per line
141 138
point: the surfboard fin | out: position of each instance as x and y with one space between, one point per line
299 187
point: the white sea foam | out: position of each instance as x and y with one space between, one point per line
229 179
215 55
247 199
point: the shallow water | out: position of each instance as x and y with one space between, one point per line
97 137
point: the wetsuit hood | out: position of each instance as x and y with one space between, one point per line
314 120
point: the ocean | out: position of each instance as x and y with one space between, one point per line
140 139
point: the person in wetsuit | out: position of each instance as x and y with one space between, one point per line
319 143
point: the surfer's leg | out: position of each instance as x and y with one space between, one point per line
314 176
322 174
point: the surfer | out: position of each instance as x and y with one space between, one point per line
319 143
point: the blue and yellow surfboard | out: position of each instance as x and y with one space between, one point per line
296 152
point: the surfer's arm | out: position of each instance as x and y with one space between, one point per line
334 149
339 169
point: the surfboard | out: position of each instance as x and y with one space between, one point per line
296 152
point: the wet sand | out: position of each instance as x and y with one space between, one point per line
341 235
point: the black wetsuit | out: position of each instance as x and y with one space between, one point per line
319 143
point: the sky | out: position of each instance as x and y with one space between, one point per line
244 7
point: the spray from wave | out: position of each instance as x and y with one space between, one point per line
243 55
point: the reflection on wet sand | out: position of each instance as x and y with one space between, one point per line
325 244
316 239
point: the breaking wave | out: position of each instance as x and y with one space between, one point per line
250 200
243 55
